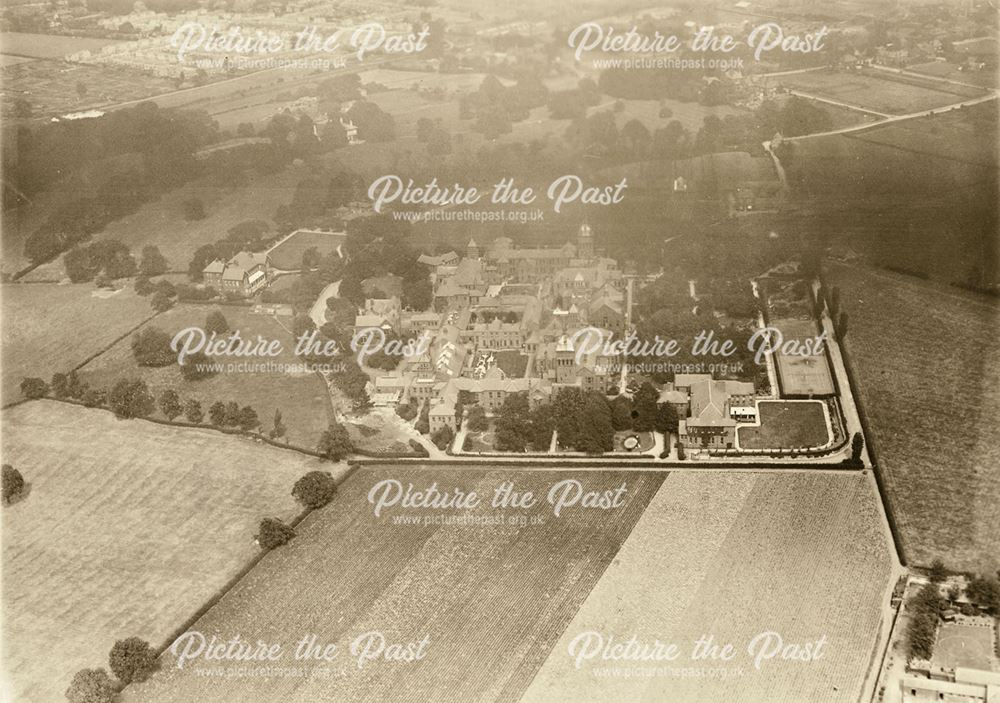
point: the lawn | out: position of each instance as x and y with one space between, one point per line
287 254
928 374
301 396
491 598
49 328
969 646
786 425
128 529
732 555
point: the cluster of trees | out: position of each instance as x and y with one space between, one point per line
137 153
108 257
130 660
494 107
376 246
585 421
925 609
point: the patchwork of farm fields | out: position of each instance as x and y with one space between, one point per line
734 555
127 529
491 599
928 370
301 396
50 328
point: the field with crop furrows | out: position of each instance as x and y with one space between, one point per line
928 368
733 555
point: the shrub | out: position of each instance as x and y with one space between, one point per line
130 398
13 483
315 489
151 347
131 660
91 686
443 437
33 388
273 533
418 448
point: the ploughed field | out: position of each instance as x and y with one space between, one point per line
734 556
928 371
127 529
490 599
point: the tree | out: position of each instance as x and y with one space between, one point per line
513 423
273 533
59 385
595 433
477 421
33 388
194 209
151 262
857 446
91 686
984 591
193 412
841 328
131 660
248 420
130 398
443 437
278 429
232 414
335 442
196 367
937 573
621 413
644 409
161 301
143 286
151 347
94 397
74 387
423 424
315 489
217 413
216 322
666 419
170 404
13 483
203 256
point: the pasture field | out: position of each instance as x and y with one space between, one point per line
491 598
786 425
301 396
128 528
876 91
731 555
987 78
928 371
161 222
50 328
933 215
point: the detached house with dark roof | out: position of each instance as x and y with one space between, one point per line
244 274
714 407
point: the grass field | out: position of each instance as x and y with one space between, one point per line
48 328
786 425
969 646
492 599
128 529
733 555
928 370
301 397
876 91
